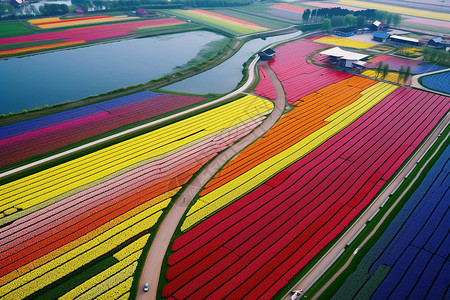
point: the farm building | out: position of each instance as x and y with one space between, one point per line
438 42
380 36
378 26
404 40
17 3
346 31
345 58
266 54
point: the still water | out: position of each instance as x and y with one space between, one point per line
51 78
226 76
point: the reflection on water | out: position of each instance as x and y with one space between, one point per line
51 78
226 76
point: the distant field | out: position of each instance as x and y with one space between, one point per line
398 9
8 29
226 23
57 22
344 42
264 21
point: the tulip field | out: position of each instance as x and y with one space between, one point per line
294 69
58 220
57 22
424 13
276 217
395 63
411 257
18 44
344 42
438 82
288 7
228 23
23 140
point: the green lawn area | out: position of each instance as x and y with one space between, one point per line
14 28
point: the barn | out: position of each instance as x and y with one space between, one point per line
404 40
380 36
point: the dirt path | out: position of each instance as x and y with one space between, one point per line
327 260
152 267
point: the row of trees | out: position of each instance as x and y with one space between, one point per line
383 70
340 16
53 9
436 56
134 4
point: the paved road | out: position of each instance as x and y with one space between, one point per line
324 263
160 244
415 80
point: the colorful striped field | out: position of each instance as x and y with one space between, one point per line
230 23
253 247
395 63
57 22
344 42
288 7
390 76
294 70
438 82
62 218
329 5
410 258
35 137
81 35
398 9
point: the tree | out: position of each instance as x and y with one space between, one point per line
305 15
389 18
407 74
385 70
361 20
379 68
350 20
396 19
326 25
401 73
337 21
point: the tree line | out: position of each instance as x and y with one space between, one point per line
337 17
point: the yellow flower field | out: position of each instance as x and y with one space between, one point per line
398 9
232 190
344 42
42 47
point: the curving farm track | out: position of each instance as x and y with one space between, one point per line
152 267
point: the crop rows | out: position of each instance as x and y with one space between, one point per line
86 34
414 248
44 185
255 246
397 9
102 200
438 82
310 114
344 42
395 63
390 76
289 7
44 134
294 69
257 165
47 23
236 25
